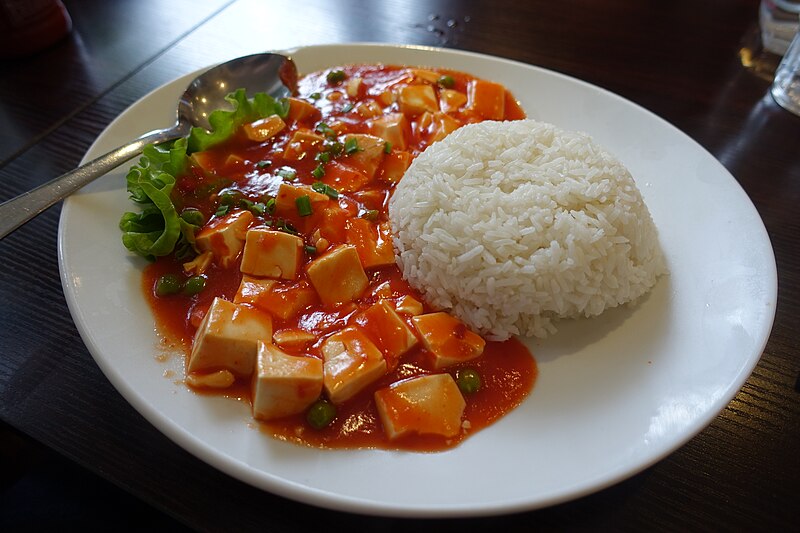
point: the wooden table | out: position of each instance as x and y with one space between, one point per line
682 59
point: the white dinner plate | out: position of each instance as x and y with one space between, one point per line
615 394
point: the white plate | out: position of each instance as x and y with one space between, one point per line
615 394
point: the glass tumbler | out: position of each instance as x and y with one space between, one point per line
786 87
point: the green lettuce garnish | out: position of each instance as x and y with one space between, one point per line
158 230
224 123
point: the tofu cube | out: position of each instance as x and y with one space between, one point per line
392 128
409 306
369 109
205 161
416 99
224 237
352 86
395 165
425 405
303 144
487 99
448 339
227 338
251 290
369 156
338 276
284 384
264 129
286 200
390 332
272 254
301 110
451 100
279 299
344 178
199 264
441 126
425 75
352 362
373 242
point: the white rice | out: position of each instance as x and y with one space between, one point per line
511 225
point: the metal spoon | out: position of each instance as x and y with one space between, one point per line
271 73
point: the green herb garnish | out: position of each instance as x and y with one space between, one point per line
303 204
336 76
325 130
287 173
323 188
224 123
351 146
370 214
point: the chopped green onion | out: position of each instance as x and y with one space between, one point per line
324 188
303 204
370 214
334 148
351 146
336 76
222 210
228 197
323 156
347 107
310 249
387 147
282 225
271 205
287 173
446 81
258 208
264 163
315 96
318 172
325 130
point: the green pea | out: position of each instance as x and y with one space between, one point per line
321 414
446 81
194 285
468 380
168 284
193 216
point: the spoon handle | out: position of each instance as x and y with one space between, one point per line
19 210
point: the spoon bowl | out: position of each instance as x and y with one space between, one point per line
274 74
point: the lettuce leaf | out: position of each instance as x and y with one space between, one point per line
224 123
158 230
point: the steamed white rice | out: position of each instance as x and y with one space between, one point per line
512 225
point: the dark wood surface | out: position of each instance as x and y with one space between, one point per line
679 59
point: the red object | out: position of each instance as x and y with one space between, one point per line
27 26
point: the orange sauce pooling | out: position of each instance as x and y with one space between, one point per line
357 217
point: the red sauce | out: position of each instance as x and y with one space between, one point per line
357 217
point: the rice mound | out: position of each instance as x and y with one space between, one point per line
512 225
